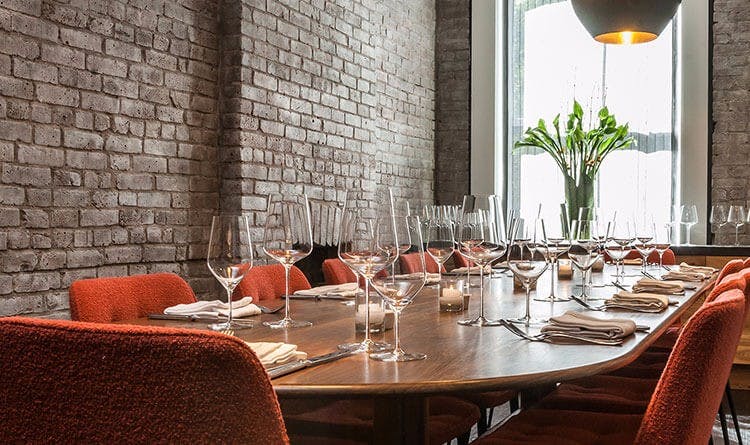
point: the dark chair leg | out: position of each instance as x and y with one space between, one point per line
711 440
489 416
723 421
514 404
483 423
730 402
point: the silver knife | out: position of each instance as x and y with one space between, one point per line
331 296
288 368
201 318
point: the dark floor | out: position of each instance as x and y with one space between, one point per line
742 405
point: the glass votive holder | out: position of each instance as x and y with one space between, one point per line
564 269
451 296
377 313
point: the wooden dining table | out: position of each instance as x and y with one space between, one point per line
459 358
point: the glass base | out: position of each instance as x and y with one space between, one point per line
552 299
233 326
480 321
287 323
365 347
400 356
528 321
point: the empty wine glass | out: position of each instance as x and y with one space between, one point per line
229 257
719 216
645 242
527 262
555 242
664 237
401 209
360 249
482 239
688 218
439 240
737 217
584 249
619 244
400 291
287 238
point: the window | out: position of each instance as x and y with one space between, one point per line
552 60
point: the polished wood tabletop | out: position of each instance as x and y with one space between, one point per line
459 358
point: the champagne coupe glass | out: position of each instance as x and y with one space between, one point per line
287 238
719 216
229 257
688 218
482 239
400 292
619 244
645 240
584 249
664 235
439 240
527 262
737 217
359 248
555 242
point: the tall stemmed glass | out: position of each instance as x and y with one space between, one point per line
645 240
360 249
403 235
555 242
664 234
287 238
399 292
482 239
737 217
527 262
584 249
688 218
439 240
619 244
719 216
229 257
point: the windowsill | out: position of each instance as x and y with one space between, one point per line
704 250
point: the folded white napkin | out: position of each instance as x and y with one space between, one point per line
642 302
431 278
659 287
473 270
240 308
276 353
680 275
706 270
343 290
576 323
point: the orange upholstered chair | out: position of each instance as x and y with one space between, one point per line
267 282
105 300
668 259
461 261
71 382
683 405
410 263
336 272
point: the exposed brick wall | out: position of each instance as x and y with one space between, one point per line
453 95
731 109
125 124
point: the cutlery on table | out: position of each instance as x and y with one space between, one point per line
201 318
544 336
648 275
268 310
330 296
288 368
619 286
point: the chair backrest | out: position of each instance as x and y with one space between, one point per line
746 262
336 272
731 267
267 282
668 259
410 263
461 261
684 404
71 382
106 300
737 280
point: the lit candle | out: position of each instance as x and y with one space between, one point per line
377 317
564 269
451 296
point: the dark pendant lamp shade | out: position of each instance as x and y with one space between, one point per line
625 21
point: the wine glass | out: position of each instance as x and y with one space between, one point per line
584 249
229 258
619 244
719 216
482 239
555 242
688 218
360 249
645 238
527 262
401 209
287 238
399 292
664 235
439 240
737 217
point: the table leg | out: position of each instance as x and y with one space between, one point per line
401 420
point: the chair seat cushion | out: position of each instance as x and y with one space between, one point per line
488 399
602 393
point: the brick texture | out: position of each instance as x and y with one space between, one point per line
453 100
125 124
731 109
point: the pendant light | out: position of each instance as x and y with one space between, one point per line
625 21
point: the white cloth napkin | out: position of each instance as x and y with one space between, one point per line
343 290
271 353
680 275
706 270
659 287
576 323
432 278
473 270
240 308
642 302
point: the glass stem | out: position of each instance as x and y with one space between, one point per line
527 317
661 263
393 272
645 261
584 275
736 235
440 279
229 303
286 291
367 311
552 290
397 346
481 291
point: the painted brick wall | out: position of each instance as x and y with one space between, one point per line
731 108
453 100
125 124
